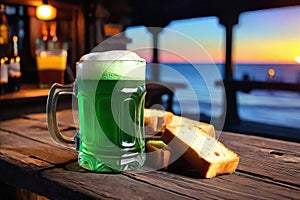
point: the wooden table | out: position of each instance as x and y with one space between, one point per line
268 168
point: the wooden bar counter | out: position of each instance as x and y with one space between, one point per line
30 99
29 159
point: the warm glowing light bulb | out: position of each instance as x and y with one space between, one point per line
18 59
15 38
297 59
271 73
46 12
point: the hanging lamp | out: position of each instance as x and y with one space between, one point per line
46 11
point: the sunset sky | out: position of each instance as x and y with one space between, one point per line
267 36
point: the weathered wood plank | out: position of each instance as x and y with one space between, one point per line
32 153
36 130
87 185
274 144
22 158
273 159
232 186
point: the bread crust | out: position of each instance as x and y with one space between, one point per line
155 121
205 127
205 167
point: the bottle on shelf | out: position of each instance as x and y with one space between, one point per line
10 72
14 68
3 26
3 75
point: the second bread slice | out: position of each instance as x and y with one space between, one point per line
206 154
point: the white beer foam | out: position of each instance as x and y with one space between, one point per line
111 65
111 56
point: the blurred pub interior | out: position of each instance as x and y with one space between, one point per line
78 27
65 31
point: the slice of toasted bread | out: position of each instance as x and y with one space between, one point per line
155 121
205 127
206 154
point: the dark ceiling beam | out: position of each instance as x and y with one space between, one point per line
59 4
159 13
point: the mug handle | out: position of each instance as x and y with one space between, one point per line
55 91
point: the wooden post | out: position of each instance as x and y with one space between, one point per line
230 101
155 56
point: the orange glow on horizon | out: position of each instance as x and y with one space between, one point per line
285 51
259 54
280 51
166 57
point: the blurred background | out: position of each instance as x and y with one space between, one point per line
253 45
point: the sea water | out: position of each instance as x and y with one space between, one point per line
272 106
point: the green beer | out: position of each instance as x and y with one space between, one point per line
111 114
111 124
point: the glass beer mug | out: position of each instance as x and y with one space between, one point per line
110 91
